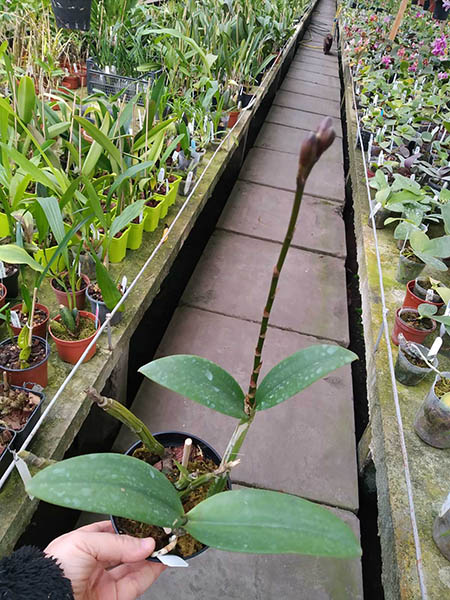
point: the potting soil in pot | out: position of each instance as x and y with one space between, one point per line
59 287
5 438
186 544
16 407
412 319
415 360
86 329
9 354
39 317
442 387
95 292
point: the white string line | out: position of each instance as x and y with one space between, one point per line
412 511
106 323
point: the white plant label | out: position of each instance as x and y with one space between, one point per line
375 100
97 309
191 128
187 185
170 560
175 156
124 283
435 347
161 175
435 130
15 319
2 270
375 209
445 507
23 469
141 216
429 296
380 158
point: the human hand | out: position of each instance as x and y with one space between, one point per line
103 565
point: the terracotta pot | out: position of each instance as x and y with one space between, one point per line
233 116
39 330
71 351
413 301
35 374
411 334
80 296
3 293
70 82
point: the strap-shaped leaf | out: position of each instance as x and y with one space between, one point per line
299 371
14 254
26 99
200 380
110 484
263 522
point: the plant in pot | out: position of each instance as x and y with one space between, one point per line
165 489
432 422
410 366
421 251
425 289
20 408
72 331
104 295
414 326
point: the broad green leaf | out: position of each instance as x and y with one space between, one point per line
110 484
110 293
263 522
11 253
439 247
297 372
26 99
100 137
129 214
29 168
53 214
427 310
431 261
419 241
200 380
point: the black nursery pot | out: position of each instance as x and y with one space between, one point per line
11 282
22 434
72 14
6 456
177 438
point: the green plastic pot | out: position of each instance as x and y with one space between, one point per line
44 256
4 225
135 235
151 217
163 202
173 189
118 247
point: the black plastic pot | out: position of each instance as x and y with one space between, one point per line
6 456
409 374
11 283
245 99
441 527
22 434
177 438
365 136
103 310
408 269
72 14
432 422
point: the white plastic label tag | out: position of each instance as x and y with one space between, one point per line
161 175
429 296
15 319
375 209
191 128
170 560
187 185
24 472
2 270
436 346
124 283
435 130
380 158
175 156
445 507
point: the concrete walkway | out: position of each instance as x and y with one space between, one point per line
306 446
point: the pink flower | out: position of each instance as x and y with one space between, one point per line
401 52
387 18
446 5
373 18
439 46
413 68
386 60
443 75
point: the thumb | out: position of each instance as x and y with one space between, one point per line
116 549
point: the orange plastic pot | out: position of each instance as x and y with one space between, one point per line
41 329
413 301
80 296
70 351
35 374
233 116
411 334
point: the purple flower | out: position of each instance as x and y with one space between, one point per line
446 4
386 60
443 75
439 46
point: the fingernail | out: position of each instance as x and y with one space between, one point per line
148 544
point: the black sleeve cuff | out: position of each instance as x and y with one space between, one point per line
29 573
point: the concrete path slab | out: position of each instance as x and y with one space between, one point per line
289 139
303 75
310 89
279 170
263 212
301 102
295 118
215 575
232 278
315 424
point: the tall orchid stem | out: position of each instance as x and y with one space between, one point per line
310 152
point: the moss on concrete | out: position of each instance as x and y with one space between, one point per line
428 466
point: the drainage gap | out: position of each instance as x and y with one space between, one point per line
368 505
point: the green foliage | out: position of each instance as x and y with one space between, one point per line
200 380
297 372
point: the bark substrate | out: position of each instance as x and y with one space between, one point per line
85 329
412 319
59 287
16 407
442 387
415 360
9 354
39 317
5 438
186 544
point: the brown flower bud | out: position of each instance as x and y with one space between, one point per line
308 152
